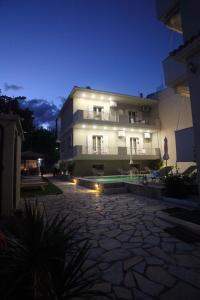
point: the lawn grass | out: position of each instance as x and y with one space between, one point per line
49 189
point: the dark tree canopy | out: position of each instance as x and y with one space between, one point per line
13 105
36 139
42 141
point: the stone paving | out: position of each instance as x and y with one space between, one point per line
135 258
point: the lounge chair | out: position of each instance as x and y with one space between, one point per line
123 172
145 170
189 171
33 182
160 173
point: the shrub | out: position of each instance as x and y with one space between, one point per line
176 186
63 166
70 167
155 164
40 260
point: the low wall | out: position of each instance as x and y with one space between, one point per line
92 184
150 191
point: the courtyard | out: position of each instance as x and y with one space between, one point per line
134 257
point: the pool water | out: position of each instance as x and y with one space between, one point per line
115 178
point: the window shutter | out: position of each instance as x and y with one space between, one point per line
105 144
89 144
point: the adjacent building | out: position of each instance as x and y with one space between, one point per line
106 132
176 124
11 135
181 68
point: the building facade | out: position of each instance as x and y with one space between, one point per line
181 68
176 118
105 132
11 135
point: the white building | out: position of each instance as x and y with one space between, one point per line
176 124
181 68
103 131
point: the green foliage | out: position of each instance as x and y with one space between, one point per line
12 105
42 141
63 166
50 189
155 164
67 166
41 261
176 186
70 167
36 139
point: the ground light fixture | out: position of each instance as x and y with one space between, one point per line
97 186
75 181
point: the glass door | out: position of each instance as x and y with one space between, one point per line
98 112
132 116
97 141
133 145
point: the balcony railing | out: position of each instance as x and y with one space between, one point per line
120 151
142 151
101 116
123 120
175 72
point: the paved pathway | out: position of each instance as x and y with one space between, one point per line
135 258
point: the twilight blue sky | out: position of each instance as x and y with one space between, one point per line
48 46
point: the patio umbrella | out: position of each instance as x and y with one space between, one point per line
166 155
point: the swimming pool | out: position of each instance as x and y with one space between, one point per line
115 178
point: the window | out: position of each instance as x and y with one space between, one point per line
97 142
98 167
134 145
98 112
132 116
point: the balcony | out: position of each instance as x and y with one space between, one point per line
168 13
80 115
122 120
176 75
113 153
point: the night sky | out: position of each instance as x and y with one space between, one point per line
48 46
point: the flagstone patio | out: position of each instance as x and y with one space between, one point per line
136 258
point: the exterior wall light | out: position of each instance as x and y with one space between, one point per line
83 126
75 181
83 95
94 126
110 98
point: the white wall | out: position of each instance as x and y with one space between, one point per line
175 113
112 139
87 104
